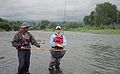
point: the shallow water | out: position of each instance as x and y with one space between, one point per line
87 53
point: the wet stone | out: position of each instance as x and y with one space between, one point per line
2 57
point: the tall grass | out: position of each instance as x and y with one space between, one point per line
105 31
98 30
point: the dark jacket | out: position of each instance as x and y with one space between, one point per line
19 40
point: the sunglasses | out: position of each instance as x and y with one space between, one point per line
58 29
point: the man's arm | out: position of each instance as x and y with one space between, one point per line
34 42
15 41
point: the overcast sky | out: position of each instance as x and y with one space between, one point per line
52 10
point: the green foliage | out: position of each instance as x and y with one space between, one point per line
70 25
105 31
104 15
107 13
15 27
118 17
88 28
44 24
34 27
52 25
1 29
3 20
86 20
5 26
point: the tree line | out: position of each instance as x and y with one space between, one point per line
105 15
45 24
6 25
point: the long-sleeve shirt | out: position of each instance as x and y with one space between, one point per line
54 44
18 37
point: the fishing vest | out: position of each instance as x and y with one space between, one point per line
58 39
25 39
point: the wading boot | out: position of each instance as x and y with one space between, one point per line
26 73
57 66
51 68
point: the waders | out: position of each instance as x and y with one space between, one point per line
57 55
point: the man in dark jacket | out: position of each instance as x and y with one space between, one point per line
21 42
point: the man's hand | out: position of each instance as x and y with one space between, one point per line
38 46
25 47
22 47
42 49
18 45
59 45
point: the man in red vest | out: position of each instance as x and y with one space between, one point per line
58 42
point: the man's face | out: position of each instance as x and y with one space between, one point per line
58 30
25 29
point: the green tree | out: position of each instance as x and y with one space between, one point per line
69 25
105 14
118 17
52 25
5 26
86 20
15 27
44 24
92 18
3 20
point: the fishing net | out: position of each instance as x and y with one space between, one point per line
58 54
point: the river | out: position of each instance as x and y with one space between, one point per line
87 53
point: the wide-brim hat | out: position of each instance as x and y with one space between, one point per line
58 27
25 25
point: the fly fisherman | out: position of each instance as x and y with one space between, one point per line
58 42
21 42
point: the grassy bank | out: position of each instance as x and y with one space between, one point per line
89 30
105 31
98 31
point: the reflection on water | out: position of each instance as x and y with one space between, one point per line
106 59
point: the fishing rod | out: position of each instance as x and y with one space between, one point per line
42 49
64 15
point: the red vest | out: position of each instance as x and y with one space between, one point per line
58 39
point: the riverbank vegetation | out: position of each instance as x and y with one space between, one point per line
105 18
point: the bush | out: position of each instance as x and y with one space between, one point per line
5 26
2 30
15 27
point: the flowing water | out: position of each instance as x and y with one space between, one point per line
87 53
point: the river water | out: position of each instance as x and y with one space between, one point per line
87 53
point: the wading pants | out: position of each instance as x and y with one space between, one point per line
24 61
